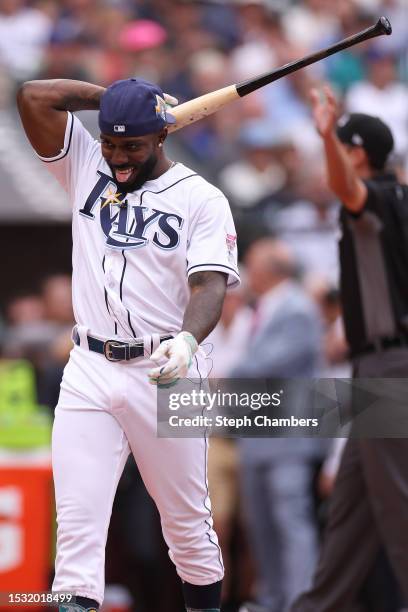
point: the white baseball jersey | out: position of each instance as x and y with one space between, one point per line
132 252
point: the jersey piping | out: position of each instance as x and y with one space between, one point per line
66 148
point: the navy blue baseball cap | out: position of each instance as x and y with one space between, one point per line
133 107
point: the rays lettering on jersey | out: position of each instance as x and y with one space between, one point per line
125 226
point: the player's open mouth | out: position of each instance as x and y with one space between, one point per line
123 175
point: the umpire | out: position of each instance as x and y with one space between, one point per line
369 506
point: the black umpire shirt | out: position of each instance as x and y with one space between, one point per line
374 267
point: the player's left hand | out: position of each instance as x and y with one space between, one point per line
170 101
179 352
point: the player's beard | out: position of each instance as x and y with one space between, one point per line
144 172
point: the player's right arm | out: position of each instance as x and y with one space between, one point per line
342 177
43 107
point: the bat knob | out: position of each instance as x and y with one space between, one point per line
384 26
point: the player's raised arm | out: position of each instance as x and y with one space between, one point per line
43 104
342 177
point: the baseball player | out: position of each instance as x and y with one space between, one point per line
153 251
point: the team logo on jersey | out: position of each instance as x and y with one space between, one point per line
112 197
126 226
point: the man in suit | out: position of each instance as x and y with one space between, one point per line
277 473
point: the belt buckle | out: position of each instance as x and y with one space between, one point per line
107 349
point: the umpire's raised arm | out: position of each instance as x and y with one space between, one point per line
342 176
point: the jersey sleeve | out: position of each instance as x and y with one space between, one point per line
212 240
67 165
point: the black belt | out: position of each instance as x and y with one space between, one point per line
115 350
381 344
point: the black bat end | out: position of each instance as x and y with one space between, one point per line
384 26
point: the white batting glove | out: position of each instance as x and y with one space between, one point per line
170 101
179 351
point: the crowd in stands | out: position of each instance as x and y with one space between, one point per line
264 154
262 151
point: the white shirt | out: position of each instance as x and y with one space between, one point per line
131 262
226 346
390 104
24 37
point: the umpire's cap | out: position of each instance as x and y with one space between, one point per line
360 130
133 107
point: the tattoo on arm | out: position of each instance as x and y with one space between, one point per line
207 292
73 101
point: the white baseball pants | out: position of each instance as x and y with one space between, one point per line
105 411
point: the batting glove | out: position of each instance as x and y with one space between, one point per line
170 101
179 351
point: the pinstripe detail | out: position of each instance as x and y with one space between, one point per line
108 308
120 293
106 295
123 274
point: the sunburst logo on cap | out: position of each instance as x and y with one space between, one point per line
160 107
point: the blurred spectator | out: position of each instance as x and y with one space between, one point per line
76 20
263 43
277 473
309 225
39 329
348 67
24 34
309 22
209 141
56 294
258 171
227 343
28 308
28 333
336 362
383 96
142 51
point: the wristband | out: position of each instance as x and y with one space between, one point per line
191 341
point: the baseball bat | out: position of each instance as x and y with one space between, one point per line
209 103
